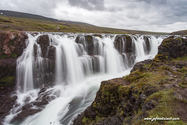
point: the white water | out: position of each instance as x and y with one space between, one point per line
76 82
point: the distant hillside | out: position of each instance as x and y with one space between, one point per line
10 20
24 15
32 16
182 32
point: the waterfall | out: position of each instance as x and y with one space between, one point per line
57 80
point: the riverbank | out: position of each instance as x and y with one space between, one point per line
155 89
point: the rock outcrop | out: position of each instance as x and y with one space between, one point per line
12 45
155 88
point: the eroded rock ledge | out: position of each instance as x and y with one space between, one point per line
155 88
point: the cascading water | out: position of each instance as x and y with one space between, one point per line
80 63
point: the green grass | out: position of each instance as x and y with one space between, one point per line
26 24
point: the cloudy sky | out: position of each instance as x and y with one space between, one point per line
149 15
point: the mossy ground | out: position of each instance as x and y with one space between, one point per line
161 75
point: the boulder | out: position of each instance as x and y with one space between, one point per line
172 48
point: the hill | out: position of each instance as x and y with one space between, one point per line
182 32
10 20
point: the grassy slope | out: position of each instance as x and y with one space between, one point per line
182 32
30 24
170 99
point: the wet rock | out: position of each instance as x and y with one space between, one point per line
88 42
148 46
78 120
123 43
43 99
6 100
24 114
51 53
43 40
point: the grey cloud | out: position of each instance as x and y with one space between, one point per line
88 4
154 1
40 7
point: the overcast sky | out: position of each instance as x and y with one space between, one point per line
148 15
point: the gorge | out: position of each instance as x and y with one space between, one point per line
58 74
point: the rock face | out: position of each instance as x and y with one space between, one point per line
144 93
173 48
126 47
6 100
43 40
124 42
147 44
12 45
88 43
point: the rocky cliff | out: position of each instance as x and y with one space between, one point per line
11 46
154 89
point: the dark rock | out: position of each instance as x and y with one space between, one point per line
24 114
7 71
148 106
6 100
43 99
148 46
180 64
78 120
173 48
123 43
90 113
129 107
149 90
43 40
88 42
129 59
140 65
51 53
115 120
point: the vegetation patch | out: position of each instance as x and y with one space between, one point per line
3 56
7 81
